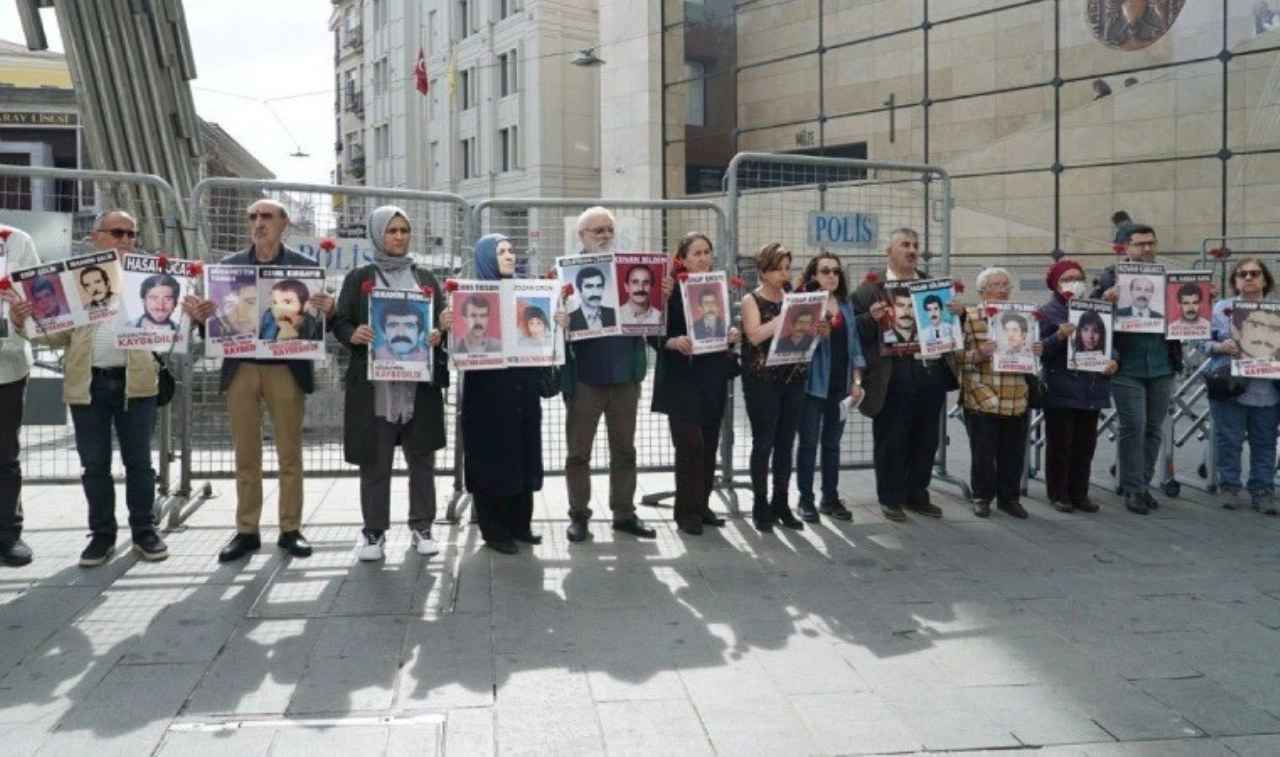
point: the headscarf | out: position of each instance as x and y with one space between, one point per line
377 225
485 260
1059 267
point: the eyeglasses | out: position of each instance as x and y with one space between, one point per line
1251 273
1143 244
828 271
601 230
119 233
263 214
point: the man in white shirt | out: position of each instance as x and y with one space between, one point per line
639 308
15 364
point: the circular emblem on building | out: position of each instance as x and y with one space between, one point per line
1131 24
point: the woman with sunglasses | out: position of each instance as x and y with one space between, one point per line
1251 415
835 372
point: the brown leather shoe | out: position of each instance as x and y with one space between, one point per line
1062 507
1013 508
893 513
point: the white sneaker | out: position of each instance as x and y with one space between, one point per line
423 542
370 546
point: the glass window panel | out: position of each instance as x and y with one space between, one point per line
1253 90
864 75
769 31
1196 32
941 10
778 93
859 19
991 51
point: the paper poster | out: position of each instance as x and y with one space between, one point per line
476 340
937 329
97 284
1089 348
898 326
151 316
1140 285
401 319
58 299
529 332
233 329
1013 327
1187 303
639 276
796 337
289 327
706 308
1255 326
593 305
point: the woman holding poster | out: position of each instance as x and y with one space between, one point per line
1075 397
379 416
691 390
1252 414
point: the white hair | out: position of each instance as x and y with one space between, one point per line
986 275
592 212
104 215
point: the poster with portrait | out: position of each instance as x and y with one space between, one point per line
96 281
1255 326
593 304
639 277
1089 348
1187 301
797 334
475 342
289 326
1013 327
937 329
151 317
1140 286
42 286
898 324
706 310
401 319
232 331
529 332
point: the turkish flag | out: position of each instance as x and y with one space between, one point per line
420 73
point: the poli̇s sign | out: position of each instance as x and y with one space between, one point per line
830 229
348 253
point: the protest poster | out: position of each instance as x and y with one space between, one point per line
1187 303
796 336
1089 348
593 303
476 338
401 319
42 287
289 327
898 325
936 328
233 329
706 308
151 318
1013 327
97 282
1255 326
529 332
1139 285
641 308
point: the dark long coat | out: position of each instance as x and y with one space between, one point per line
689 389
502 431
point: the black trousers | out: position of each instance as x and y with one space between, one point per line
905 437
696 448
502 518
774 412
12 399
1071 436
997 455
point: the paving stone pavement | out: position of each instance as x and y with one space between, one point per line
1062 634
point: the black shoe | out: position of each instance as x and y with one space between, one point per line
1152 502
692 529
893 513
15 553
713 520
101 548
808 513
577 530
982 508
529 537
787 519
926 509
239 546
835 508
763 525
1085 505
635 527
1062 507
505 546
294 543
1134 502
1013 508
150 546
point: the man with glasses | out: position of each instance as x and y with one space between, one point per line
1143 385
15 364
602 377
107 387
281 385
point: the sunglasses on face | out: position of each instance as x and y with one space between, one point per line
120 233
601 230
828 271
263 214
1249 274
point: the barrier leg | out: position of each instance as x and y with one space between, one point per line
940 462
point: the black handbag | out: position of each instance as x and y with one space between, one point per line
549 385
1219 384
166 385
1037 392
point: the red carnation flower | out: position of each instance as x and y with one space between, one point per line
837 319
195 268
1068 295
678 264
549 275
566 290
683 275
1218 252
736 282
428 291
5 284
1225 311
1037 314
450 285
1119 248
958 285
163 259
872 277
990 310
4 234
327 244
366 286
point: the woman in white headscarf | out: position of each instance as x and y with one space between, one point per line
379 416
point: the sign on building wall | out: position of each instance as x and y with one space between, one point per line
832 229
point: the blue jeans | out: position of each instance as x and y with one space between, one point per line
134 421
819 423
1141 407
1232 424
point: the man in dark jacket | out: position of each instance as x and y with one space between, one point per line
281 385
